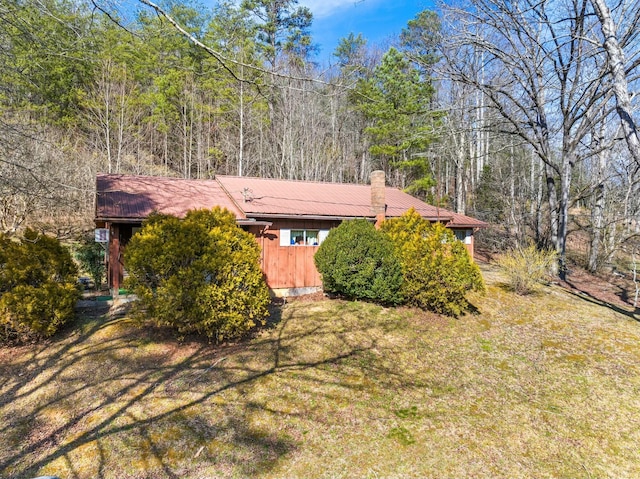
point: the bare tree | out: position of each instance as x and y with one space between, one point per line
544 78
614 43
41 183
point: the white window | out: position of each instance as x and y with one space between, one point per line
300 237
464 235
323 235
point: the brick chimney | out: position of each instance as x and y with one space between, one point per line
378 200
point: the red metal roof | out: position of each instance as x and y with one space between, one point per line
261 196
135 197
463 221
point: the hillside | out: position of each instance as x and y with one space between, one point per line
546 385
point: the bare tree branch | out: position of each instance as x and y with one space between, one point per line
616 64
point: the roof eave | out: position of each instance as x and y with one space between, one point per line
444 219
116 219
468 225
252 222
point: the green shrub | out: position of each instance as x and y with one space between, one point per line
37 286
198 275
358 261
437 269
527 267
90 255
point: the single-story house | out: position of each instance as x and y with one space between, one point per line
288 218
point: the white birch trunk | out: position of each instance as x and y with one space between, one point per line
616 58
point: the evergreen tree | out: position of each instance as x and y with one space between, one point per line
282 27
350 54
421 39
46 57
397 101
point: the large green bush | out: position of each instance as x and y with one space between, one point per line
37 287
437 269
90 255
358 261
198 275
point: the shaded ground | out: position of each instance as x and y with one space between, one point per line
612 289
541 386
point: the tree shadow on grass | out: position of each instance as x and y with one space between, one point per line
110 394
586 296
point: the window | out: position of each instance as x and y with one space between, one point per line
463 235
302 237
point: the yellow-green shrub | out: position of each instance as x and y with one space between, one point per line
527 267
198 275
437 269
37 287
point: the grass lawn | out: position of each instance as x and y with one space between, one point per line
540 386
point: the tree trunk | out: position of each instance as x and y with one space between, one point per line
565 185
460 203
539 196
459 164
616 58
512 196
552 198
597 210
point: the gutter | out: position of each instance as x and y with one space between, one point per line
118 220
239 221
253 222
333 218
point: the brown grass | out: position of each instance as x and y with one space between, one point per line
540 386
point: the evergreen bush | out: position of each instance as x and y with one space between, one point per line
90 255
358 261
37 286
437 269
198 275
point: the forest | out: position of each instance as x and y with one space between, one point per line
520 113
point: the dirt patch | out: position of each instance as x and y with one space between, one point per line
483 256
306 298
612 289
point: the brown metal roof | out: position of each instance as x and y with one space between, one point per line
135 197
463 221
261 196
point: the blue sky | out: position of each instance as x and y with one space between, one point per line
377 20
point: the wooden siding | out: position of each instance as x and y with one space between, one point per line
290 266
114 269
283 266
119 236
